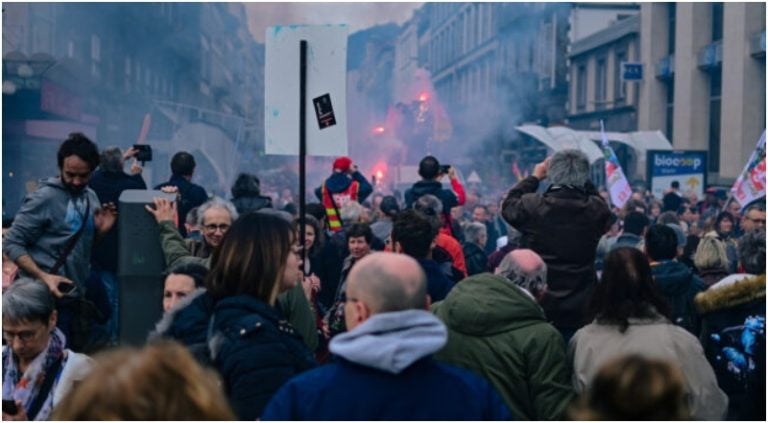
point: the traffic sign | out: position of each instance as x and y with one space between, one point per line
631 72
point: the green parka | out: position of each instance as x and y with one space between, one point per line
498 331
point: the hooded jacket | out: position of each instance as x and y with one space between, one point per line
563 226
498 331
733 337
255 351
677 283
386 372
449 198
596 344
46 220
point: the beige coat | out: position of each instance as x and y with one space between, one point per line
596 344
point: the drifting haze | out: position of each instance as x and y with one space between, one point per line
357 15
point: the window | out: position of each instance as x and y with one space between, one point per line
715 90
619 87
600 84
717 21
581 88
670 109
672 14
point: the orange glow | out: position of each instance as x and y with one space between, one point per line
380 169
423 97
378 129
379 174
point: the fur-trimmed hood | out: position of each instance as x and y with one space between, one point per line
742 292
184 316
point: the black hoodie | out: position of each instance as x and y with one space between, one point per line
678 284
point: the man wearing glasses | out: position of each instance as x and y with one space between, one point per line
753 218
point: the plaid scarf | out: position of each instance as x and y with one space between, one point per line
25 387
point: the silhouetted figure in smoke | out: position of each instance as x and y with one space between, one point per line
246 194
191 195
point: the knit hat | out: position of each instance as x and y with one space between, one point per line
343 163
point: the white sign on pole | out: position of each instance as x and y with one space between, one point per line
326 108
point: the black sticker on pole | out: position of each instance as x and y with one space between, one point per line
324 111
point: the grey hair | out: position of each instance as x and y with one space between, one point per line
28 300
568 167
710 254
112 159
752 251
757 206
216 203
473 231
534 282
351 212
192 216
429 202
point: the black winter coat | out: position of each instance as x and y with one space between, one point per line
192 195
475 258
733 337
251 203
563 226
256 351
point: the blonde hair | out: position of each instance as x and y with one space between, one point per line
161 381
634 388
710 254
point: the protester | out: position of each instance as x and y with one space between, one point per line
432 207
58 226
711 260
497 330
292 303
359 237
215 217
635 226
672 197
630 316
190 224
388 209
255 349
246 194
431 173
190 194
345 184
38 369
634 387
733 334
385 370
475 236
753 218
413 234
481 215
158 382
675 281
563 226
181 281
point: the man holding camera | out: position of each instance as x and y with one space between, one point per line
432 172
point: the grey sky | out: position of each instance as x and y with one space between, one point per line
357 15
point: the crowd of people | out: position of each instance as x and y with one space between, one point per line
542 303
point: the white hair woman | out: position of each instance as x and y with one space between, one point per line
37 368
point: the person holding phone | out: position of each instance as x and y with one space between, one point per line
38 369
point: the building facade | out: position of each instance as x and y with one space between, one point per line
705 79
597 89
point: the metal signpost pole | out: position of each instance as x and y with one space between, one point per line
302 144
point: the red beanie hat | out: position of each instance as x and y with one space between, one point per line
343 163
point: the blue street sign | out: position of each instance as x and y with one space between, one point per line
631 71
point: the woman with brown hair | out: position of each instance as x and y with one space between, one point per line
631 317
159 382
634 388
254 348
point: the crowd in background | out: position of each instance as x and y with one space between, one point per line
541 302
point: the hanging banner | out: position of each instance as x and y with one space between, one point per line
615 180
326 107
751 182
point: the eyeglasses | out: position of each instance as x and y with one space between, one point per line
755 220
23 335
212 228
